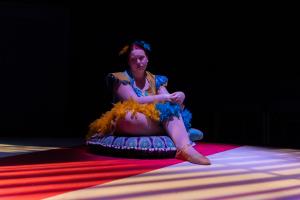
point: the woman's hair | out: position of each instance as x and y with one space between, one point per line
125 51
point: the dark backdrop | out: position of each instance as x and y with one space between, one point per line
237 67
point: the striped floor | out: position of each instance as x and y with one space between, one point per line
69 172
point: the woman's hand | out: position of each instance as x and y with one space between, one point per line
167 97
177 97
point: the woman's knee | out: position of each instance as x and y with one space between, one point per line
136 119
138 123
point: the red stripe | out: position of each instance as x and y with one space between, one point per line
43 174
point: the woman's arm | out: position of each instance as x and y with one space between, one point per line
162 90
177 97
125 92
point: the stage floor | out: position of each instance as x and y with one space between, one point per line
63 169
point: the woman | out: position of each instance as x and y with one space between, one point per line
145 106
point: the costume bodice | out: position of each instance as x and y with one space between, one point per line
154 82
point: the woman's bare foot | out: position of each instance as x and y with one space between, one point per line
188 153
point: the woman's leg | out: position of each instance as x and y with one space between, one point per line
142 125
138 125
177 131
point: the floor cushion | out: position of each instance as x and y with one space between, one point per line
140 146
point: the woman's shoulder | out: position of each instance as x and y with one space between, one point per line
118 76
160 80
155 75
121 75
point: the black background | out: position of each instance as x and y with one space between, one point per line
237 65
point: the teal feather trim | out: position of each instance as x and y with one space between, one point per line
168 110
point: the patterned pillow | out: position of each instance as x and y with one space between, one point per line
140 146
128 146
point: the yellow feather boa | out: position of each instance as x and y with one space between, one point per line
107 121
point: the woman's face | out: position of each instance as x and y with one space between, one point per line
138 60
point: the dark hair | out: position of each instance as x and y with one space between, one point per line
125 51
